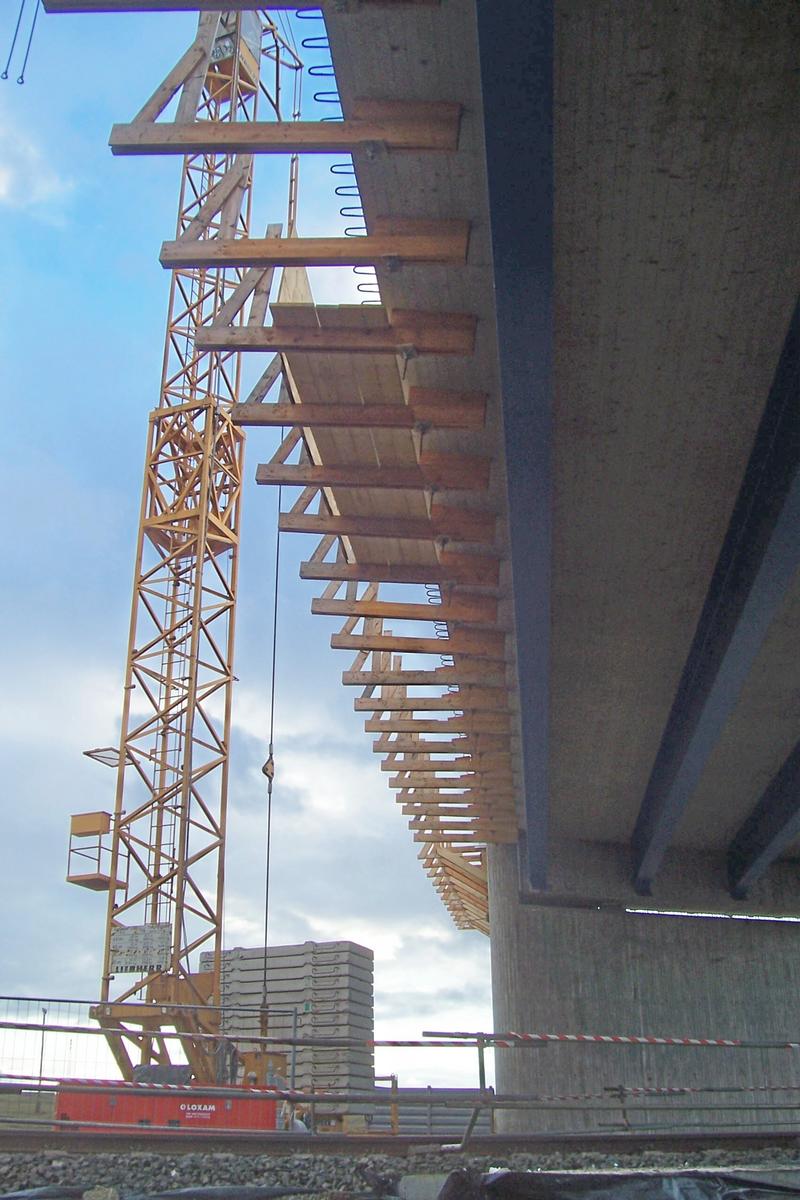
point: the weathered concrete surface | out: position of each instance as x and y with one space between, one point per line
613 973
690 880
677 242
677 250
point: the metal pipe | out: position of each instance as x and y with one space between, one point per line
323 1043
473 1121
293 1058
41 1061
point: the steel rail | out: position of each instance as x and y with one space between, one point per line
617 1142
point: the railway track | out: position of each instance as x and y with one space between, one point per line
29 1141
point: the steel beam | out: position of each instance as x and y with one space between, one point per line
771 828
516 58
758 561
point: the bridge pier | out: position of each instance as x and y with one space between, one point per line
583 970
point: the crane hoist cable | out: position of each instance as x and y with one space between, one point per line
21 76
268 769
20 14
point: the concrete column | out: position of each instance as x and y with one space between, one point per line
587 971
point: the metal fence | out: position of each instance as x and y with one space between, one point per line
46 1042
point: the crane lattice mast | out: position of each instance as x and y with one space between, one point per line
164 865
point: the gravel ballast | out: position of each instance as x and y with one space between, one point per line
143 1172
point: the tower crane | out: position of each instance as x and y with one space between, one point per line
160 856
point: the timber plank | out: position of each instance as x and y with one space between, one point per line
430 242
502 781
474 744
142 6
475 764
457 471
451 568
476 610
450 839
472 643
471 700
465 673
463 411
397 125
453 524
431 404
488 723
423 333
468 756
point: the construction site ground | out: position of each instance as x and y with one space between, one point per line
355 1171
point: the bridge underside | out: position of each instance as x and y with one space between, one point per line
675 237
647 385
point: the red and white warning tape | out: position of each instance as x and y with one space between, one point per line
616 1039
510 1039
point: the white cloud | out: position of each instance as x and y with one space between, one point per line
28 181
305 717
65 704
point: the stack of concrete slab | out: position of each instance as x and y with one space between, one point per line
327 987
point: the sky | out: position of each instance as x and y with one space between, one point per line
82 312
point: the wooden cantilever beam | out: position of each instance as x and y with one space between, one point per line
475 643
502 784
472 744
480 765
469 610
466 673
484 816
457 471
494 764
451 569
428 789
450 524
473 802
406 240
143 6
409 331
470 700
395 124
473 723
477 837
433 408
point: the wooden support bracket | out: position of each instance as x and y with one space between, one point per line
143 6
393 124
465 673
459 472
472 610
468 700
402 723
442 410
409 332
451 569
473 643
445 524
392 241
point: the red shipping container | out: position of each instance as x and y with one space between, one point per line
144 1105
